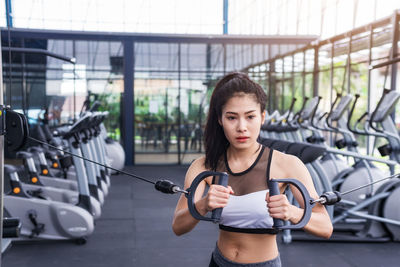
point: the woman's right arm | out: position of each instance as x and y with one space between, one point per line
217 197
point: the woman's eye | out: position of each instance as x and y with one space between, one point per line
230 118
251 117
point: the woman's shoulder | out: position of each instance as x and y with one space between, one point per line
198 163
288 164
283 156
196 167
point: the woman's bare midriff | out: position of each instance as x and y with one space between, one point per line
247 248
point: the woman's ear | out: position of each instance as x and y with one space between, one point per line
219 121
263 117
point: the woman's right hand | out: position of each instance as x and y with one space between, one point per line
217 197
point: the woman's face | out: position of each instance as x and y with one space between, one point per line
241 120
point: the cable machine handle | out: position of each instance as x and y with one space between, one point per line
216 214
273 191
308 202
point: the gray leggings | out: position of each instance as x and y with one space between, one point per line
218 260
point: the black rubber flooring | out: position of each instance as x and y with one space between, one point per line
135 230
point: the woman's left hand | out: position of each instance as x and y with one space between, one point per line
280 208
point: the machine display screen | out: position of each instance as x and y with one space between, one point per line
387 106
337 113
307 112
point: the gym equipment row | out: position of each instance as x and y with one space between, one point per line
57 213
370 213
53 195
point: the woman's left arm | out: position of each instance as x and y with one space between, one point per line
279 207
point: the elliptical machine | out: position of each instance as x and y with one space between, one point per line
42 218
113 149
380 124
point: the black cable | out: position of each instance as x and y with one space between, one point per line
331 198
361 187
72 154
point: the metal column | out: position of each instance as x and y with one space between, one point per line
282 109
332 86
393 55
316 72
348 65
272 91
225 19
9 14
1 157
179 104
304 75
292 78
128 112
370 44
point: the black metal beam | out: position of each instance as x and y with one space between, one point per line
150 37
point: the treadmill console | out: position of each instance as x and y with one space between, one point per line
309 109
387 106
344 103
77 126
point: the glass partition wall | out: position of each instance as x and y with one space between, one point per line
40 85
343 64
171 98
156 88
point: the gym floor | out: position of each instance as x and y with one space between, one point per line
135 230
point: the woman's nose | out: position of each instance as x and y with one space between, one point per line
242 126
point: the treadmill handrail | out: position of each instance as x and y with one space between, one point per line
355 130
383 134
291 108
338 96
313 117
296 117
384 93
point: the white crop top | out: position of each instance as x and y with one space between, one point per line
247 211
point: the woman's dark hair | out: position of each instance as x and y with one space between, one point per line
231 84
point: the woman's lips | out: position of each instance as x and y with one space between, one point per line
242 139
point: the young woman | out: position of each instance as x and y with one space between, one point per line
246 238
